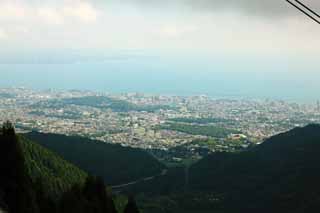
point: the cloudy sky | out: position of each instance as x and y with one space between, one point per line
233 26
203 37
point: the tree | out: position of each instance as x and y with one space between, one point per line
8 129
74 201
18 194
131 206
98 199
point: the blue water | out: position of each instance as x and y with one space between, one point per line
218 78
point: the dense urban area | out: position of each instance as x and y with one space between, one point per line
192 126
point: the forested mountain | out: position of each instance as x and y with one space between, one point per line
35 180
16 194
282 174
116 164
42 164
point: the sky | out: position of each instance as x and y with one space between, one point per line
185 37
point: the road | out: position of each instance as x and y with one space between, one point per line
117 187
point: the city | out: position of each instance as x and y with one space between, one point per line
151 121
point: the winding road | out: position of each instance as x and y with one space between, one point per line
120 186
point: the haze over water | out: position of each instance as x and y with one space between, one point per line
237 78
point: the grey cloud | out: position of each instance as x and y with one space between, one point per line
267 8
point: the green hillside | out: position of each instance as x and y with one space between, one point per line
116 164
207 130
36 180
102 102
281 174
59 175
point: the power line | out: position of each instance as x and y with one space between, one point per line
304 12
308 8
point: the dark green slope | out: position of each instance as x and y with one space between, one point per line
57 174
116 164
281 174
36 180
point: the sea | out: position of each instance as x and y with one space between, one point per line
168 78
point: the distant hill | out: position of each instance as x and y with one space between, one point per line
116 105
206 130
281 174
116 164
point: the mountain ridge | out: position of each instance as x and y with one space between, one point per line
116 164
34 179
278 174
42 163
